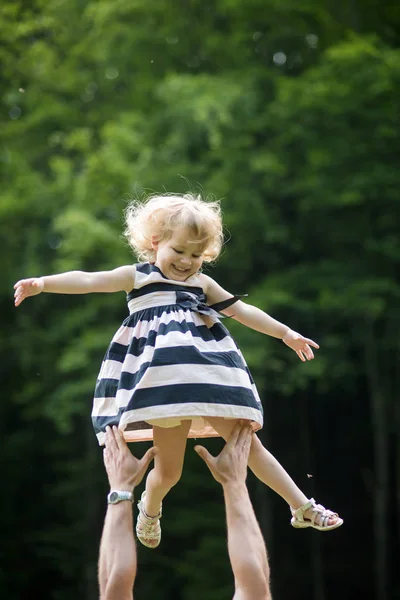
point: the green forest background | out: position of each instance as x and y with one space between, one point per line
289 112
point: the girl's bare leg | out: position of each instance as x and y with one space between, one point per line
268 470
168 464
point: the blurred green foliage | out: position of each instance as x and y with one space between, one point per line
286 111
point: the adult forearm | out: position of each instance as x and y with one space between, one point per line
246 545
117 562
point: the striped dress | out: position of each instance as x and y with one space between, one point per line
172 360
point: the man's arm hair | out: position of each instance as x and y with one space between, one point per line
117 559
246 547
117 562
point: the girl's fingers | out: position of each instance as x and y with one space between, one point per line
19 283
309 353
25 283
25 288
311 343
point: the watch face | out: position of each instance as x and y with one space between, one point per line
117 495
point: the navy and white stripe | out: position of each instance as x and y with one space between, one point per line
171 358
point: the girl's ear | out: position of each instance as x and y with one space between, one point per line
154 242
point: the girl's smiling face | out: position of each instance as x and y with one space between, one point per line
179 256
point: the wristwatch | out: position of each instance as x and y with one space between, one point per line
116 496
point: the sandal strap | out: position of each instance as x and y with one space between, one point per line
298 513
320 515
147 517
144 513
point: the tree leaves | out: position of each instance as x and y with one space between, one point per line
288 118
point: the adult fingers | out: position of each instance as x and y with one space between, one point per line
233 438
244 437
141 465
205 455
119 438
106 457
149 456
110 442
245 440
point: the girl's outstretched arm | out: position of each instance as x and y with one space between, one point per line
76 282
257 319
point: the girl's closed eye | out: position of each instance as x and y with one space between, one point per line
177 251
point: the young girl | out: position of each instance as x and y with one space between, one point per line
172 370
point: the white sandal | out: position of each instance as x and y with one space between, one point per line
148 529
318 512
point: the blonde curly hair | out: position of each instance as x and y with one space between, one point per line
154 220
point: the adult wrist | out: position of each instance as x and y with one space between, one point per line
126 484
235 487
116 495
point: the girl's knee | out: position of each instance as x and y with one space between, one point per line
168 477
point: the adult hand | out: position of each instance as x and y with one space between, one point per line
124 470
231 464
300 344
27 287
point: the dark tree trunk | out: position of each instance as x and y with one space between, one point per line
379 407
317 562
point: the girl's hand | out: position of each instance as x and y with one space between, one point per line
300 344
27 287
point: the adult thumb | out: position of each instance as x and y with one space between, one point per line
203 453
149 455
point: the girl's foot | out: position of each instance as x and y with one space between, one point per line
315 516
148 529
